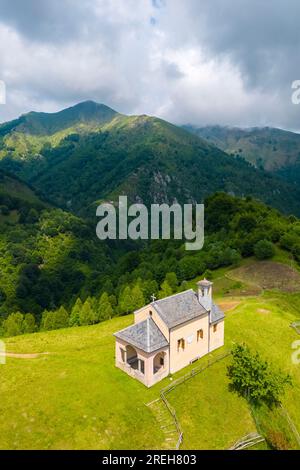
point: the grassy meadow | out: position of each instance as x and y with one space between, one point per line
74 397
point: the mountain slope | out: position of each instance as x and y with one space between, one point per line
146 158
47 256
268 148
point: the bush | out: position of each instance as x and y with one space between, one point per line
264 250
13 325
4 210
255 379
29 325
277 440
55 320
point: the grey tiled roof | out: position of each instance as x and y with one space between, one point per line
144 335
216 314
179 308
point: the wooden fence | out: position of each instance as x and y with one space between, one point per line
248 441
195 371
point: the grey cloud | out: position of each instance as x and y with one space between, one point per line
42 20
215 61
261 36
172 71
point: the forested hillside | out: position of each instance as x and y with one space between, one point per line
54 267
89 153
274 150
47 255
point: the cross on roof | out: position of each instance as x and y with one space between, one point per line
153 297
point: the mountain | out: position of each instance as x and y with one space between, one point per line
42 124
275 150
89 153
48 256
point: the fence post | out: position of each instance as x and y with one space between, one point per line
179 381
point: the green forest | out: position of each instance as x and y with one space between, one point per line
55 272
56 168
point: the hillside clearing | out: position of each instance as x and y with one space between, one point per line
268 275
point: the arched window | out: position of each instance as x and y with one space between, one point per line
200 334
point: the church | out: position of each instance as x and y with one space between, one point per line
169 334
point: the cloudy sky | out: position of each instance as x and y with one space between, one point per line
203 62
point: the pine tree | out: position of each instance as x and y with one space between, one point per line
105 309
75 313
55 320
61 318
12 326
172 280
137 297
165 290
125 300
149 288
87 315
29 325
47 322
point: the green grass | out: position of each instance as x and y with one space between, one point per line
272 422
217 417
211 417
75 398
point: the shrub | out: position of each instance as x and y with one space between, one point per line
264 250
13 325
277 440
255 379
29 325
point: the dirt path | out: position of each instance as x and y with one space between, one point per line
22 356
226 305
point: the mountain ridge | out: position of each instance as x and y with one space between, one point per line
264 147
147 158
48 123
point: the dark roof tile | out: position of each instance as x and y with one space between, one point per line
144 335
179 308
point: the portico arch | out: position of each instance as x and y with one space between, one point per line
159 362
131 356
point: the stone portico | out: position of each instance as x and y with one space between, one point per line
143 352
